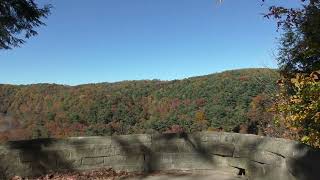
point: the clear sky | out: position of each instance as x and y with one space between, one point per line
91 41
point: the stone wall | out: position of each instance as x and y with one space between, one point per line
256 157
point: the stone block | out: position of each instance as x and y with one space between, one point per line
103 150
68 164
124 160
210 136
260 156
228 138
168 147
131 140
9 157
85 141
39 156
238 162
304 168
222 149
63 154
21 169
79 152
92 160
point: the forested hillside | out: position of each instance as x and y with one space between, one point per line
222 100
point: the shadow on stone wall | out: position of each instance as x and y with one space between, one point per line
4 171
253 156
33 157
153 160
194 142
135 147
306 164
272 158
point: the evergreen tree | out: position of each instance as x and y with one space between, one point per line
19 18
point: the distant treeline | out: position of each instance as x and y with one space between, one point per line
218 101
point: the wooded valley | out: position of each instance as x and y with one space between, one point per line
225 101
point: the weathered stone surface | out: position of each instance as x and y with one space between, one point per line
304 167
210 137
92 160
171 147
103 150
78 141
124 160
259 157
79 152
222 149
241 163
63 164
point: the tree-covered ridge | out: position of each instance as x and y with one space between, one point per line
220 100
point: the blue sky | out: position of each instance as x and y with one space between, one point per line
113 40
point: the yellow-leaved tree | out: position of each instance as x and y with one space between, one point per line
300 109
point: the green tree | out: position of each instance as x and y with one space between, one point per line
298 102
18 20
299 50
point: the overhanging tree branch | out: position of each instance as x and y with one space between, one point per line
18 20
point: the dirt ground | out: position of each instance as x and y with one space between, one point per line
110 174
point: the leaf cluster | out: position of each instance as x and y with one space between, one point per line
300 110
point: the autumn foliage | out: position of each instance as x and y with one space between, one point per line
216 101
300 109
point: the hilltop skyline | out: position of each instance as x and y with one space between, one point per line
124 40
